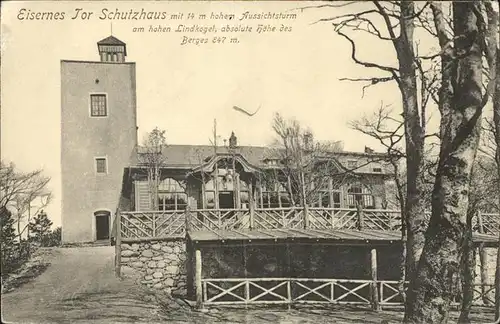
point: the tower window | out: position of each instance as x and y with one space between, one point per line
98 105
101 165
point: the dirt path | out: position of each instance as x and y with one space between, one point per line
78 286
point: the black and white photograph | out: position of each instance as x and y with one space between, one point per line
254 162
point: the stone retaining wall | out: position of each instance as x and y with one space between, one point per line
156 264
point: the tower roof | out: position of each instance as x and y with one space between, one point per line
110 40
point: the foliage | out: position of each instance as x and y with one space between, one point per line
39 229
53 238
14 253
7 238
23 194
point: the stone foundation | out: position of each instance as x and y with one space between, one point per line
156 264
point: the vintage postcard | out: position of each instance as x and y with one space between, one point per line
249 161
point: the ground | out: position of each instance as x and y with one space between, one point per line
78 286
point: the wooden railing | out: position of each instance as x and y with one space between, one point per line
273 218
235 291
277 218
146 225
223 219
487 223
173 224
254 291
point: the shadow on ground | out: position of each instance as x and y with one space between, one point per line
29 271
300 315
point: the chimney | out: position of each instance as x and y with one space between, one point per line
233 141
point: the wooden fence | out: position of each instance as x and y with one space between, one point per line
254 291
173 224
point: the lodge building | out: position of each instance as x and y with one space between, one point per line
99 140
204 177
229 223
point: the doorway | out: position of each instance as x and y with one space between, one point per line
102 225
226 199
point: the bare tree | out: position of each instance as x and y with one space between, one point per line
398 21
305 164
151 156
493 42
25 194
461 103
480 190
483 187
388 131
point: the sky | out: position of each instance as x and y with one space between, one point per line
183 88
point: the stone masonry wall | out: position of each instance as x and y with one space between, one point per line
156 264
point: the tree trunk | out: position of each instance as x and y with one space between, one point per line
435 286
404 231
304 200
496 121
483 260
497 284
415 209
414 136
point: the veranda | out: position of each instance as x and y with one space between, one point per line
370 242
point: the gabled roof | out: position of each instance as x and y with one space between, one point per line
210 163
111 40
193 156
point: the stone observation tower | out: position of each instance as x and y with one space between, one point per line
98 138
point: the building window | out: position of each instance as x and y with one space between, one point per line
377 170
171 195
352 164
225 184
101 165
98 107
360 195
274 195
244 194
326 197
